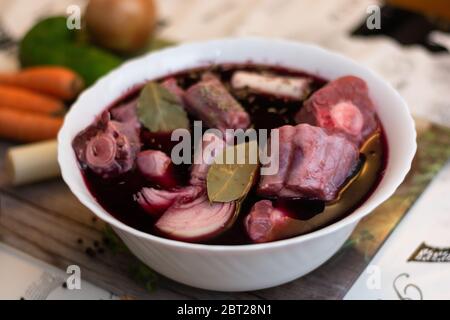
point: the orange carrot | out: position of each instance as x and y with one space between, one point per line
26 100
26 126
59 82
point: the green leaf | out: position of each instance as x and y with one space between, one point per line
232 180
159 111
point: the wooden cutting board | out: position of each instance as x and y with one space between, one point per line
46 221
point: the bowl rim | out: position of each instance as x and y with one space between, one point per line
352 218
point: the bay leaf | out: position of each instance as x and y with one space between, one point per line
232 180
159 111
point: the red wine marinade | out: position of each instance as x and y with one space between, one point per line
117 196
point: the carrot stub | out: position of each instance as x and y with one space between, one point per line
27 127
26 100
59 82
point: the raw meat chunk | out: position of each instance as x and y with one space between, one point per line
313 164
342 106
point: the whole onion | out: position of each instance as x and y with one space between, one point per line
121 25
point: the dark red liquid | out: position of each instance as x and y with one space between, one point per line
117 195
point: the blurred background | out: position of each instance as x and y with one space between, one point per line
74 42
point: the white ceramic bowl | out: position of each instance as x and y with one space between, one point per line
245 267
